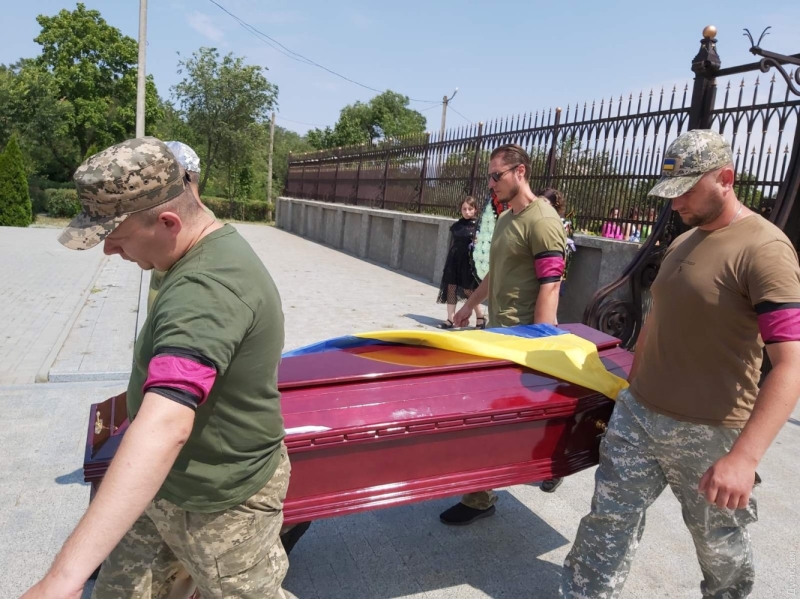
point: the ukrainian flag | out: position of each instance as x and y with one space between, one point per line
541 347
669 164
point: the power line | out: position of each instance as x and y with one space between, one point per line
283 118
431 107
299 57
459 114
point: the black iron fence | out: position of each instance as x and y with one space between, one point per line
603 156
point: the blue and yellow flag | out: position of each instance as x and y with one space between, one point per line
544 348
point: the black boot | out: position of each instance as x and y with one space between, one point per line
291 536
460 514
550 486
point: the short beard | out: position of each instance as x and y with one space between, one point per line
514 192
699 220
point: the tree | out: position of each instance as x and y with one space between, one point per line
747 191
88 70
220 100
15 202
43 119
385 115
6 101
286 142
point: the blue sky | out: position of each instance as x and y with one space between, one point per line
505 58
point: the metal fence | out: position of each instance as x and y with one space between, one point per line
603 156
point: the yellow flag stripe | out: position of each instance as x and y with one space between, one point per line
567 357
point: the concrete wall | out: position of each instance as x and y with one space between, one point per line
597 262
417 244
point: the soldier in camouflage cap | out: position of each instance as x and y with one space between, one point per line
130 177
696 417
179 497
688 158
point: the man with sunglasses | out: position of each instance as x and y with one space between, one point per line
526 263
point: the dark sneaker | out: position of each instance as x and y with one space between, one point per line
550 486
291 536
460 514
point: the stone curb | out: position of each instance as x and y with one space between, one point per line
44 371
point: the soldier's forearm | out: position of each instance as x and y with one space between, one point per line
149 448
479 295
546 309
774 405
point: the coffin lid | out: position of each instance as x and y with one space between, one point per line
378 362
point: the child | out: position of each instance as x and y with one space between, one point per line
611 229
458 278
651 221
633 232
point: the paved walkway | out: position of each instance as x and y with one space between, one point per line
99 345
392 553
42 285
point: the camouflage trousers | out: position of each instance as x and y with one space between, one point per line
235 553
480 500
640 455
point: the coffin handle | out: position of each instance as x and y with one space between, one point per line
98 423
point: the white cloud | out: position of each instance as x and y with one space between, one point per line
204 25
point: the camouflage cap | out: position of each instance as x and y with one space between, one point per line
688 158
134 175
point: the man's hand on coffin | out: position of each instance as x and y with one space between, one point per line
144 458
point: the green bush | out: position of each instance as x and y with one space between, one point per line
38 188
252 211
15 200
62 203
219 206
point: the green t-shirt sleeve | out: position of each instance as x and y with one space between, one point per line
200 314
547 235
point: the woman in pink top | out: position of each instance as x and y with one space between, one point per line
611 229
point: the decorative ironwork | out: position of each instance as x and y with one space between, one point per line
772 59
604 156
752 128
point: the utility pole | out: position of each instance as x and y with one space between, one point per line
269 169
141 79
445 100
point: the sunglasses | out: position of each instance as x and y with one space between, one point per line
497 176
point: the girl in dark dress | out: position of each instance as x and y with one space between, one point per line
458 278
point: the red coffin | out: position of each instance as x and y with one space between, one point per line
395 425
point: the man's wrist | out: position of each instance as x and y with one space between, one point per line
59 578
745 455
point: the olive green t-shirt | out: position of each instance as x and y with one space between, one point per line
518 240
157 276
220 303
718 298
